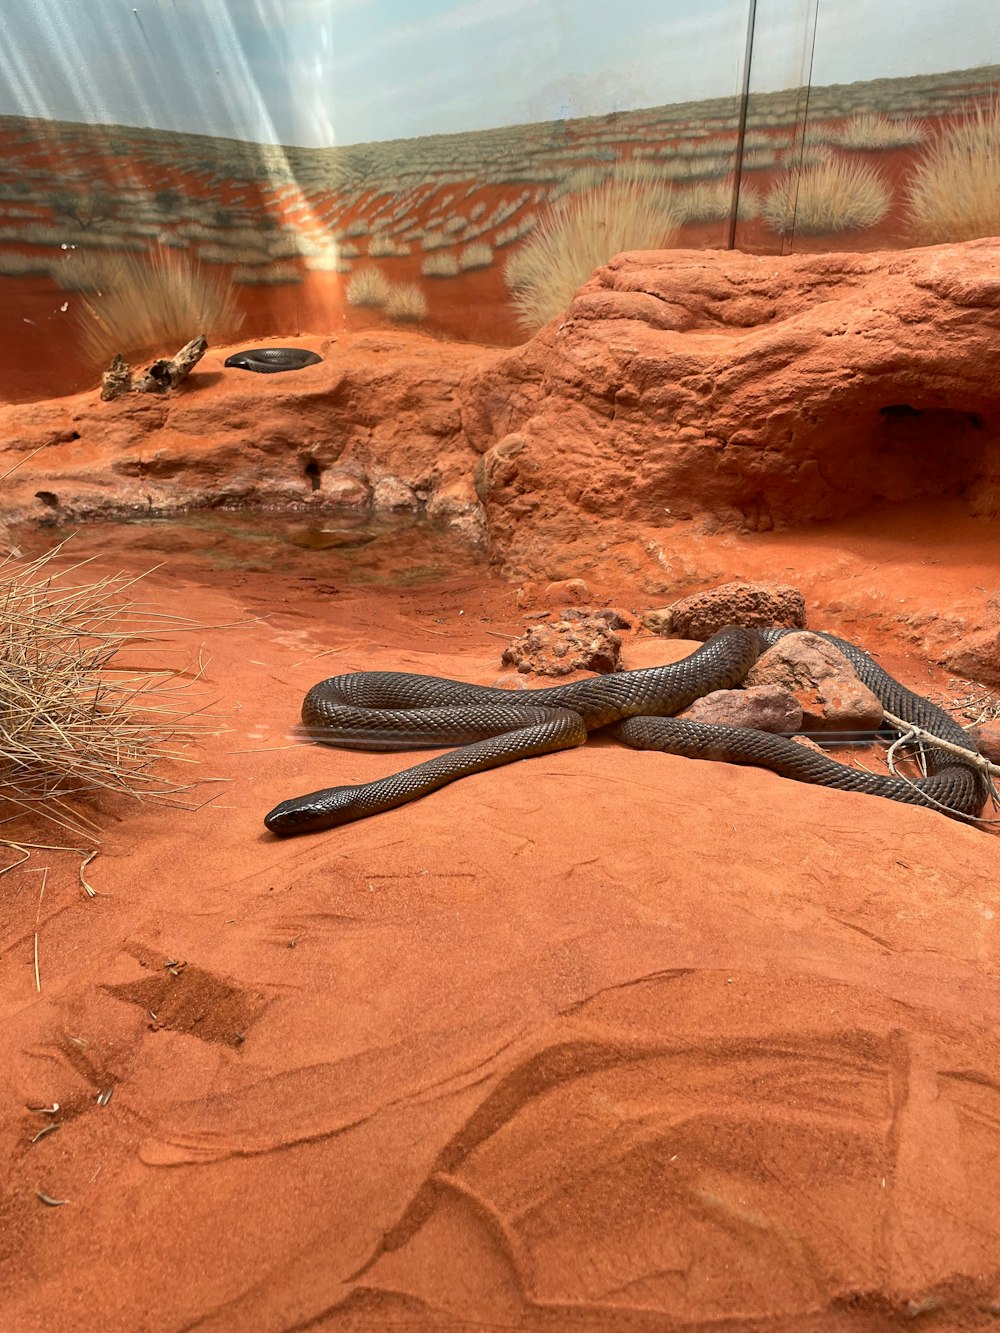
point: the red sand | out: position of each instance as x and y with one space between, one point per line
602 1041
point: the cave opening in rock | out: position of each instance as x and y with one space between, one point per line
918 453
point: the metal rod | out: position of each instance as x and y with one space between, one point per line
741 132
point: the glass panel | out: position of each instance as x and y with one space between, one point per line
901 140
313 165
461 169
778 95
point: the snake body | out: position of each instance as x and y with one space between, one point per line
375 710
269 360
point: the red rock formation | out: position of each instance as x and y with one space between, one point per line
738 390
739 603
748 390
378 421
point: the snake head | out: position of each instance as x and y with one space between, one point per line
313 812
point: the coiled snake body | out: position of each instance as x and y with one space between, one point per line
375 710
272 360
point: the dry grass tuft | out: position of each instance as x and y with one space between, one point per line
406 303
22 263
75 721
86 271
954 193
266 275
870 130
839 195
383 246
158 302
712 201
475 255
368 287
584 231
443 265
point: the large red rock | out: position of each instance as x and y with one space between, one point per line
817 674
976 656
737 603
749 390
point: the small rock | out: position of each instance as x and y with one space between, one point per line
510 681
612 618
566 646
346 488
763 707
394 495
565 592
986 736
752 604
658 622
976 656
823 681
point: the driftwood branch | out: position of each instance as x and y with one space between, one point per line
158 378
911 732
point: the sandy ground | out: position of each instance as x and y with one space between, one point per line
604 1040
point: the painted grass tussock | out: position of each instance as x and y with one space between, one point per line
157 303
581 233
839 195
954 192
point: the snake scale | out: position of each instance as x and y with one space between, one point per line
375 710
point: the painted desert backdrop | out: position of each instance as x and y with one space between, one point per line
478 235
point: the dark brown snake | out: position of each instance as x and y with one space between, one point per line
389 710
272 360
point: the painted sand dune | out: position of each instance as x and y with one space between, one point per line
426 230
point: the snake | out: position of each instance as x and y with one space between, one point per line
389 710
269 360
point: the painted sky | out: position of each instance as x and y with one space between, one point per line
319 72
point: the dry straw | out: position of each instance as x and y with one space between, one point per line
368 287
75 719
954 193
583 232
406 303
839 195
157 303
869 130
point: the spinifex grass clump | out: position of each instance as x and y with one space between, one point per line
76 720
632 211
869 130
954 194
154 304
838 195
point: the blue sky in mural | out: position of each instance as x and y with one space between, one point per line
344 71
